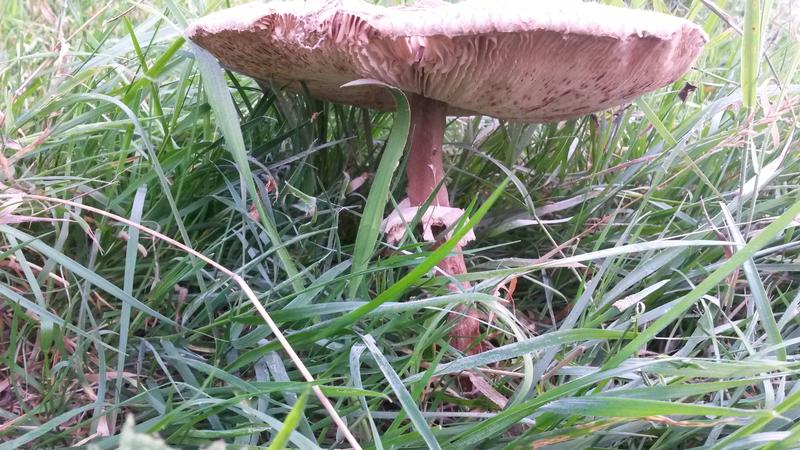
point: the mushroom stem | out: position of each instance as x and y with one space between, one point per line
425 172
425 169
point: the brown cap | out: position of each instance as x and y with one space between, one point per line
527 60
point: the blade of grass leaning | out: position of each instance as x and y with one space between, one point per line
517 349
634 407
36 310
155 164
611 252
46 328
387 309
289 424
513 414
228 122
274 363
678 390
131 256
757 291
370 223
355 372
406 401
740 257
181 362
39 312
789 442
751 45
789 403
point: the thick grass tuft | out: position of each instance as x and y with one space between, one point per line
636 269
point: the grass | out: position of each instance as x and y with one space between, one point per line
637 268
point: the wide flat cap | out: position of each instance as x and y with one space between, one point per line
527 60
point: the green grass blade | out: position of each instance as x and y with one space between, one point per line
757 243
369 226
106 98
131 256
406 401
751 46
44 428
392 293
290 423
78 269
355 373
634 407
790 402
517 349
227 120
757 290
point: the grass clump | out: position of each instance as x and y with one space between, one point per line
637 275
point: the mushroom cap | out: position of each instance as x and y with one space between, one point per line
526 60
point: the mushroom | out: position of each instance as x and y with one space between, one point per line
524 60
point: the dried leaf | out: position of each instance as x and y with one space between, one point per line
357 182
124 236
182 292
102 427
271 185
627 302
9 143
47 13
481 385
13 198
11 263
507 287
110 375
7 219
253 212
